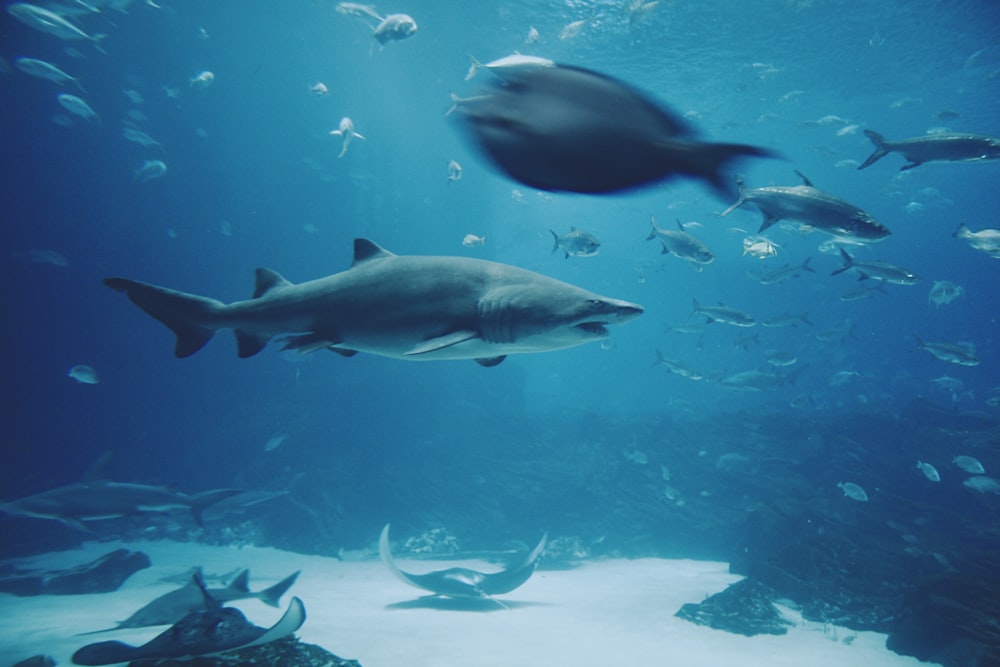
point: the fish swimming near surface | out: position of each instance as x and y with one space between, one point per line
171 607
942 146
566 128
406 307
682 244
46 70
46 20
724 314
808 205
962 355
461 582
212 630
985 240
92 501
576 242
883 271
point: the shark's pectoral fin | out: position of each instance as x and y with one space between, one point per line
248 344
441 342
489 362
310 342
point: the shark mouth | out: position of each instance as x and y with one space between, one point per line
593 328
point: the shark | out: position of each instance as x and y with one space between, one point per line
173 606
411 307
94 500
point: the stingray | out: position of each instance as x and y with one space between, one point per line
171 607
461 582
212 631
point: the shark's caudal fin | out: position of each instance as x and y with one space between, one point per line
272 596
881 150
189 316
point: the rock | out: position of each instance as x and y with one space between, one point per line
744 608
104 575
287 652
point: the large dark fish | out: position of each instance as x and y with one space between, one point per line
945 146
568 128
805 204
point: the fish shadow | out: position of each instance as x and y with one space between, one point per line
440 603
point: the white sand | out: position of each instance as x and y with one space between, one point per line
615 612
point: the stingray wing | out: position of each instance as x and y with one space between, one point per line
511 578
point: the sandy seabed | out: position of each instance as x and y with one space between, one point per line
606 612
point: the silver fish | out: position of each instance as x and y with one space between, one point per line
576 243
724 314
883 271
46 70
962 355
681 243
943 146
986 240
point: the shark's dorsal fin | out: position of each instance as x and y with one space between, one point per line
267 280
805 179
365 250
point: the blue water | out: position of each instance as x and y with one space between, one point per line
254 180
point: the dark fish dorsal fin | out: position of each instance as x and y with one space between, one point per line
267 280
680 225
804 178
365 250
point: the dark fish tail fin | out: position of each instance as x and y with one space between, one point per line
652 232
881 149
192 318
848 263
711 160
272 596
200 501
555 243
962 231
805 266
740 199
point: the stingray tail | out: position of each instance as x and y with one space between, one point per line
272 596
192 318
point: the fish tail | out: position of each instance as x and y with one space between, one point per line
712 160
740 199
272 596
881 149
805 266
473 68
192 318
201 501
555 243
962 231
848 263
652 232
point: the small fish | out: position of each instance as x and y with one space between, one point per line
77 107
345 130
969 464
786 320
838 334
962 355
140 137
986 240
83 374
454 171
840 378
941 146
884 271
930 472
275 442
319 89
681 243
755 380
759 247
853 491
149 170
983 484
782 274
780 359
393 28
134 96
46 70
471 240
677 368
944 292
863 292
501 66
637 457
665 473
532 37
572 29
724 314
576 243
48 21
203 80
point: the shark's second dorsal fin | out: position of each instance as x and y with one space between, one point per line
365 250
267 280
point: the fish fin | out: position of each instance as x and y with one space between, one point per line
365 251
680 225
272 596
267 280
848 262
189 316
489 362
710 160
358 135
241 584
805 179
768 221
805 266
290 621
249 344
881 150
962 231
308 343
652 232
442 342
910 165
740 200
555 242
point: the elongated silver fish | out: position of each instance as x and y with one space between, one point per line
944 147
48 21
805 204
884 271
681 243
962 355
46 70
724 314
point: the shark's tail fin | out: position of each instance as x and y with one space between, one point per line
189 316
200 501
272 596
881 149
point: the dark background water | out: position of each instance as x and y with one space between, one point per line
254 180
